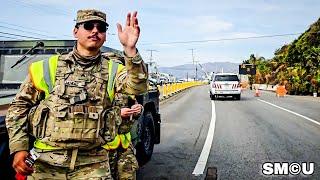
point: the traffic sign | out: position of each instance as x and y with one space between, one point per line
247 69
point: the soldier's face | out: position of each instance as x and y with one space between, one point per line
90 35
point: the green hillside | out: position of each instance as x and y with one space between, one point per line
296 64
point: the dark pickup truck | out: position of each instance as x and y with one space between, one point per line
145 132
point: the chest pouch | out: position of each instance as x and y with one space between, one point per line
38 117
112 121
77 123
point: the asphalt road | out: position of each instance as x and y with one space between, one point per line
247 133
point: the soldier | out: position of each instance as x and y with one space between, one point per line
123 162
67 103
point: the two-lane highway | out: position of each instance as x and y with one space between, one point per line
247 133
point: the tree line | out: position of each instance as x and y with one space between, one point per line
295 65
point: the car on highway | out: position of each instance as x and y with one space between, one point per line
225 84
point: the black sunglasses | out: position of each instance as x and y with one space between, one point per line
102 27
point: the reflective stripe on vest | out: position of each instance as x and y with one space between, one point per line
110 88
40 77
123 139
114 68
40 145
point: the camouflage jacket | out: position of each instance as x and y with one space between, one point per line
131 80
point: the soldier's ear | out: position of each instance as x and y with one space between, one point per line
75 31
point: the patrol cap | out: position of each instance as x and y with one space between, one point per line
85 15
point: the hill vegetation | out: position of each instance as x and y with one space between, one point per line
295 65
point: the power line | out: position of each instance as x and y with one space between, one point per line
15 25
28 32
41 7
18 35
35 11
44 8
25 4
65 12
9 37
1 22
222 39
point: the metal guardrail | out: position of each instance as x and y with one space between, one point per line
168 90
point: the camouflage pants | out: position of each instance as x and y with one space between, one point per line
91 171
123 163
88 165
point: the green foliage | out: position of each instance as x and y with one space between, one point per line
296 64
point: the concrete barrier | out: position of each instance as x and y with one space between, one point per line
266 87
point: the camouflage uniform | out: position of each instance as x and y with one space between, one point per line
77 116
123 162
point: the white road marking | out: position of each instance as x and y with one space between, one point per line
297 114
202 161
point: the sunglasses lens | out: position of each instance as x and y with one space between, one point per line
90 25
101 28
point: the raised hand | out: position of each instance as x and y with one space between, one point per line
129 35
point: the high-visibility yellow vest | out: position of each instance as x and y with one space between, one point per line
121 139
45 81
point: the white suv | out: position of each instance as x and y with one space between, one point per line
225 84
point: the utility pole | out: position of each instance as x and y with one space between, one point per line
187 77
153 64
196 69
151 50
194 63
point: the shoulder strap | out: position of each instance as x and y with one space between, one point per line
50 68
113 67
43 74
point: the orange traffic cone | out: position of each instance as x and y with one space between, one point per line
257 93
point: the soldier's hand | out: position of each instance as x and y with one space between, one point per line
19 164
129 35
126 112
137 108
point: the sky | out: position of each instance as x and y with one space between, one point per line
164 22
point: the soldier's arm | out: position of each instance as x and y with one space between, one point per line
16 117
133 78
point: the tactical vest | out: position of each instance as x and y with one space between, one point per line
77 111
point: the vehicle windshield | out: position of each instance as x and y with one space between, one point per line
226 78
